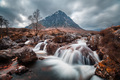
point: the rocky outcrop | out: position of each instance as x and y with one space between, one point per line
93 42
25 54
6 43
108 69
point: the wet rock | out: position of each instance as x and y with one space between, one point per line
6 43
41 58
88 54
93 42
51 48
25 54
5 77
21 69
42 46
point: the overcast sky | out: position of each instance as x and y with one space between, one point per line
88 14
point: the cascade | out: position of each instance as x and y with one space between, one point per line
37 50
77 53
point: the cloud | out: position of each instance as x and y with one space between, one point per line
89 14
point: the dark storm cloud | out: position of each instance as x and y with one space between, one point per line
89 14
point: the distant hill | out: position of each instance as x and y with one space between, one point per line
58 19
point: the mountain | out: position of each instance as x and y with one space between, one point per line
58 19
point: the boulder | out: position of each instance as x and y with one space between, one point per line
6 43
5 77
65 38
25 54
5 56
93 42
51 48
21 70
108 69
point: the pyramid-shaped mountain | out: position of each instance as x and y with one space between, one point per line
59 19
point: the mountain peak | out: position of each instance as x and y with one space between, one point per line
59 12
59 19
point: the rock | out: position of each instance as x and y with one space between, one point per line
21 40
51 48
87 52
25 54
108 69
93 42
5 77
21 44
41 58
21 70
42 46
36 38
65 38
5 56
6 43
47 37
24 38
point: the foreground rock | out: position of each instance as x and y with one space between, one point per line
25 55
108 69
21 70
5 56
5 77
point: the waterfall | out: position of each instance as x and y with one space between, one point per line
77 53
37 50
70 62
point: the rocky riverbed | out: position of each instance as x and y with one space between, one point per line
63 56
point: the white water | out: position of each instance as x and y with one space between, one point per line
64 71
77 53
68 63
37 50
27 42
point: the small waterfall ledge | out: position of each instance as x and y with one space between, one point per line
38 51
